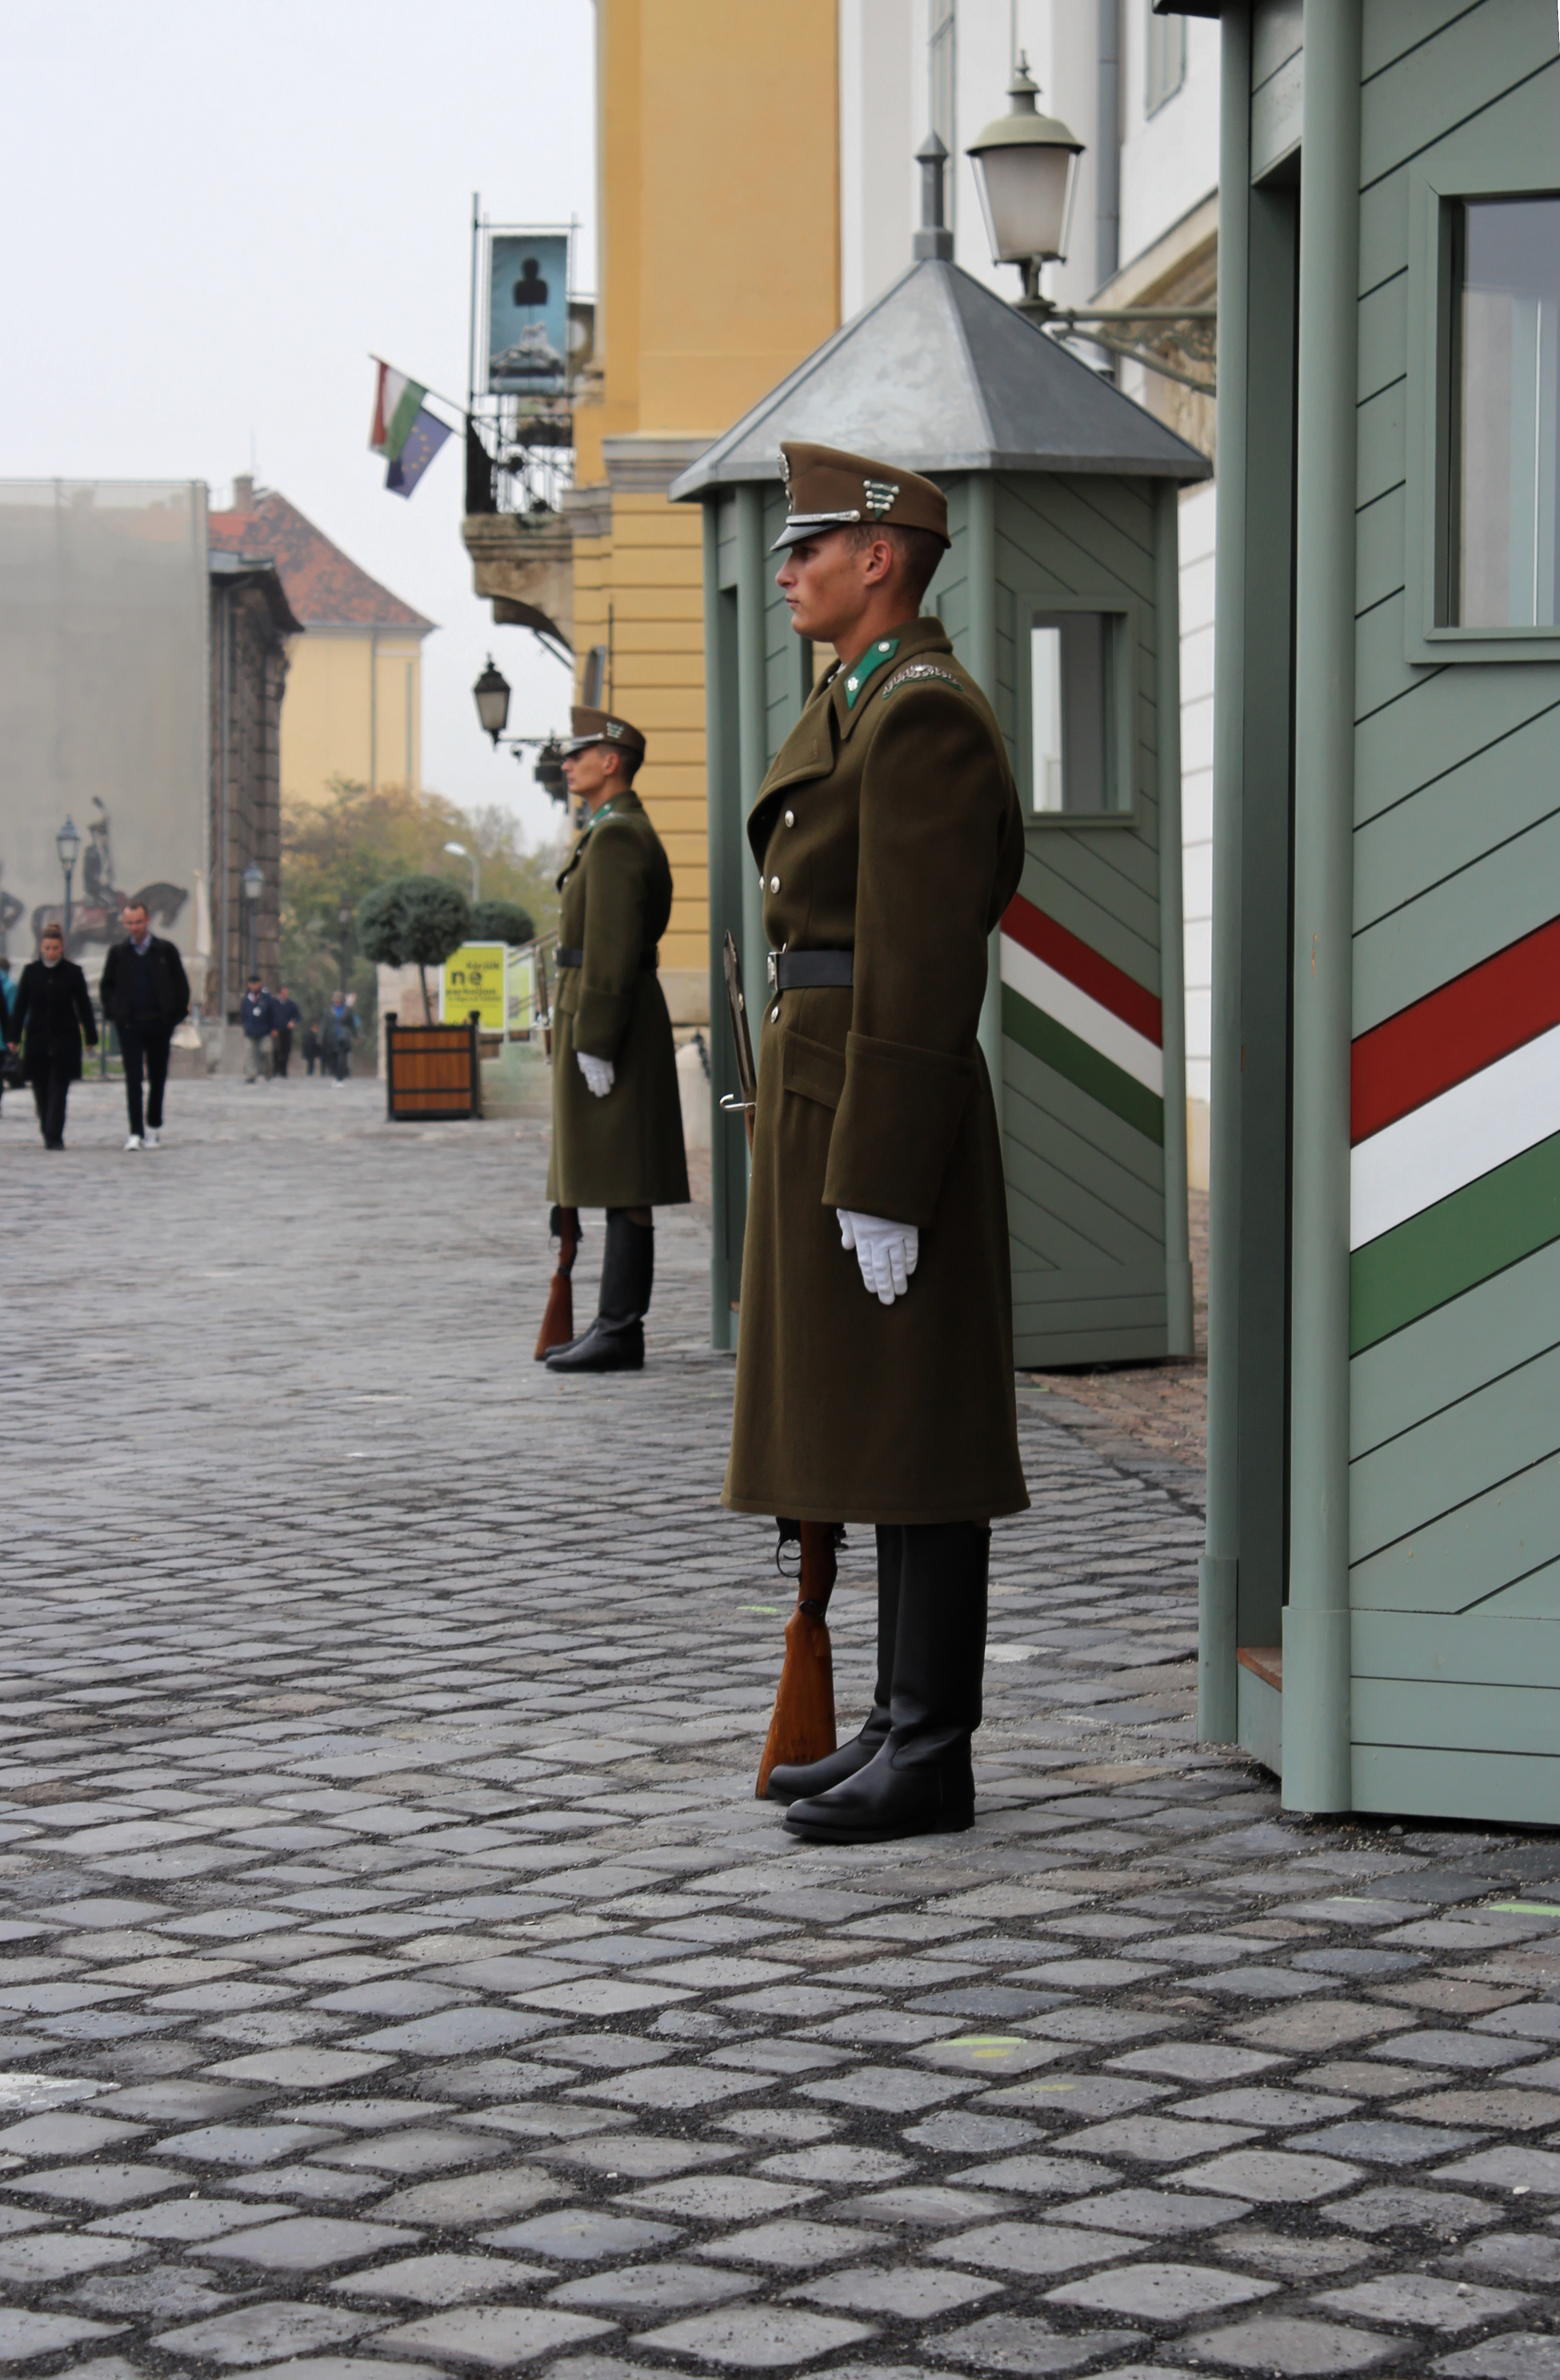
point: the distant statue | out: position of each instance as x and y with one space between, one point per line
530 289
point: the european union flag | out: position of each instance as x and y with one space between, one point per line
424 438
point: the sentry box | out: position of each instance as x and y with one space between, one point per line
1381 1591
1061 597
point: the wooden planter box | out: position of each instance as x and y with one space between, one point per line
433 1069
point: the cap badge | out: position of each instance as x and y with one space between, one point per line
614 729
785 471
877 495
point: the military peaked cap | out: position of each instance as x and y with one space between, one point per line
826 489
600 727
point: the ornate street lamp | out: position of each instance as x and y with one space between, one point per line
68 842
1026 171
490 694
253 882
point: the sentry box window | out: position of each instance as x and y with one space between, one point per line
1503 502
1078 682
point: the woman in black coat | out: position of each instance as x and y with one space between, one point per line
51 1017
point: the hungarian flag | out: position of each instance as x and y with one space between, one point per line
423 440
397 402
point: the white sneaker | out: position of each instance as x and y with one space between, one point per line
151 1140
134 1141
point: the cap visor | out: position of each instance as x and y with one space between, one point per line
578 743
796 533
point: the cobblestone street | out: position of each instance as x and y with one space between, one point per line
400 1978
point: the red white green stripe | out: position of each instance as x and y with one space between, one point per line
396 404
1084 1016
1455 1123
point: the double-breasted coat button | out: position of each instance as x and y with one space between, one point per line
791 818
774 1015
774 883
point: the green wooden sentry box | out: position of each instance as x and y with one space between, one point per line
1381 1593
1062 509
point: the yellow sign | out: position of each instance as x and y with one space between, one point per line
473 977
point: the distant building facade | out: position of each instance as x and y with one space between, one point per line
354 701
141 678
702 306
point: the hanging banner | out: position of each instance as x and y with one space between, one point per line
527 312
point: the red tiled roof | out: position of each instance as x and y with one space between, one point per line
325 589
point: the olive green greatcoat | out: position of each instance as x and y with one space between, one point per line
624 1150
889 824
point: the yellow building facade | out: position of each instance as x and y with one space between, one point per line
718 245
353 705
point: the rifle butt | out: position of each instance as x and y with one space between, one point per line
558 1321
801 1723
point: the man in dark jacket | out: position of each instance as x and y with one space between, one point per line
337 1034
145 995
288 1014
257 1014
51 1017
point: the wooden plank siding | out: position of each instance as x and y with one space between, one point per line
1082 1144
1455 1389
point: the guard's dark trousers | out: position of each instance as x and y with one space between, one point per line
916 1776
144 1046
615 1340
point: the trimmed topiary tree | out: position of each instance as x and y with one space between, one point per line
414 921
502 921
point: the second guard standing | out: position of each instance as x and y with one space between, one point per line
617 1116
874 1365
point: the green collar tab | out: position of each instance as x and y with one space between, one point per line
875 658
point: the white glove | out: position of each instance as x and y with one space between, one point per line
600 1072
886 1252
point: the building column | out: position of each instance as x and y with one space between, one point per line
1316 1629
1179 1338
1218 1571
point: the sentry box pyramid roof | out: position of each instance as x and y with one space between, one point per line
943 376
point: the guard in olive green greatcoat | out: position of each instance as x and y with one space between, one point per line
617 1118
875 1367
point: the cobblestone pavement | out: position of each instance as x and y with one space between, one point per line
400 1978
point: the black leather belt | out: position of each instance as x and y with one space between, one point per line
573 958
812 970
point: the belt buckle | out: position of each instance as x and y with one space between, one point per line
771 963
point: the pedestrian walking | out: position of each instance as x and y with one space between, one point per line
9 1061
337 1034
875 1369
311 1046
288 1015
51 1017
617 1116
145 996
257 1014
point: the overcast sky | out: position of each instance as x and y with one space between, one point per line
215 210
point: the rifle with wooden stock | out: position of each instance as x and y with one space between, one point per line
563 1225
801 1723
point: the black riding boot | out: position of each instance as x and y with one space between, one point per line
615 1340
921 1781
801 1784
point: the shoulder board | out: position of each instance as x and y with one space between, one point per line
913 672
